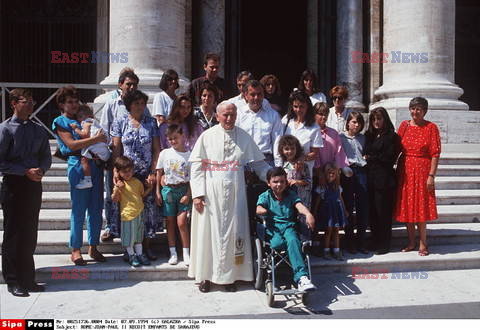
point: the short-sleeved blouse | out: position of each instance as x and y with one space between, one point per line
137 141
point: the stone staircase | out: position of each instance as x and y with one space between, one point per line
454 239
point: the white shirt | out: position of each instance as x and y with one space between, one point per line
264 126
175 165
162 104
318 97
240 102
338 122
309 137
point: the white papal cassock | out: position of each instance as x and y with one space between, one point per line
221 233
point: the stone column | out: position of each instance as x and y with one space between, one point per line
349 38
425 27
152 33
211 34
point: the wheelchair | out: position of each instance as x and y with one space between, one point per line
267 264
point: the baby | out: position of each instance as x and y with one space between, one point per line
89 128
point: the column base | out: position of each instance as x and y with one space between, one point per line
455 126
441 95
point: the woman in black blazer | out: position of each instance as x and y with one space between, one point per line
381 149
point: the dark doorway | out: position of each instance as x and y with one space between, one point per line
272 39
467 48
31 30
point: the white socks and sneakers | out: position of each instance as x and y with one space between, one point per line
304 284
85 183
174 257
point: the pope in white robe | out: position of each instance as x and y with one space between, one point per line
220 239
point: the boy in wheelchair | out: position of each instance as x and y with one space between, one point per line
278 205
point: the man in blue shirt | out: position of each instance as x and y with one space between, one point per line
278 204
24 159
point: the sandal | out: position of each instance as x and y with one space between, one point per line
96 255
79 261
423 252
409 248
204 286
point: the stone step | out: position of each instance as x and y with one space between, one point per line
457 182
442 257
55 184
460 158
56 241
457 197
59 218
57 169
458 170
458 213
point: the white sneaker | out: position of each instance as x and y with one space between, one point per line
173 260
186 259
84 184
304 284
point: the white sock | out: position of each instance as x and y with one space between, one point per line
138 249
173 251
186 252
336 249
130 250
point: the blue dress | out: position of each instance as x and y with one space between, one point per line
332 213
137 145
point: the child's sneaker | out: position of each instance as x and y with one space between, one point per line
338 255
144 259
173 260
133 260
304 284
84 184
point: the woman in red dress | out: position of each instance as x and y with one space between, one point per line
420 143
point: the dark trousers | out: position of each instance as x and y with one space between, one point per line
380 210
355 196
21 202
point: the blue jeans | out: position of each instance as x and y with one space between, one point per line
85 200
355 196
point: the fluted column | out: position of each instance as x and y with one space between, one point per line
349 38
152 32
419 26
211 34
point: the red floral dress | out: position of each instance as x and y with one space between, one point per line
414 203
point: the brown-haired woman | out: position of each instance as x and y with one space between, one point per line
182 114
90 199
273 93
338 113
417 166
381 151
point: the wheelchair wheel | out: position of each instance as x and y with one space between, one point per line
269 292
257 264
306 299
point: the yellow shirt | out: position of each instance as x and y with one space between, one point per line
131 199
